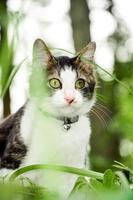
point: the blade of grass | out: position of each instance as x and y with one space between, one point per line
120 164
13 73
60 49
120 167
71 170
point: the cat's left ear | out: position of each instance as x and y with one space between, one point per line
87 52
42 54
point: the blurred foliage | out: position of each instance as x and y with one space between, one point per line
116 103
114 184
6 54
123 120
7 51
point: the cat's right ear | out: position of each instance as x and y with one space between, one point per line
41 54
88 51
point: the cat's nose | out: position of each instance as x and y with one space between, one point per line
69 100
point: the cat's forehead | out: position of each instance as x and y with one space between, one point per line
63 67
67 68
65 61
68 75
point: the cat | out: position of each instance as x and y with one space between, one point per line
52 127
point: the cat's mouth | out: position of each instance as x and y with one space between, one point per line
71 106
68 110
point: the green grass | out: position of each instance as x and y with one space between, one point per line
112 184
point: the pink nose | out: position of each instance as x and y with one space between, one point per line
69 100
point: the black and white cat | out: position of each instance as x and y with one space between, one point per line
54 127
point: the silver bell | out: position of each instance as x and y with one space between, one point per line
66 126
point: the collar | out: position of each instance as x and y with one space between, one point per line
67 121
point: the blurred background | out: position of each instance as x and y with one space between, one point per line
70 25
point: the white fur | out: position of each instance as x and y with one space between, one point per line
48 142
46 139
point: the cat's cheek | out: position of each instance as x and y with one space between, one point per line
58 99
78 99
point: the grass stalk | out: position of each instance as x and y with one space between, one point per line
71 170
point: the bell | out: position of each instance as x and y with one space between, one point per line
66 126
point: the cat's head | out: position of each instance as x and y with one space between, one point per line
71 81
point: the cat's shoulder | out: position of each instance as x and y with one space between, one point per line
10 126
11 143
11 121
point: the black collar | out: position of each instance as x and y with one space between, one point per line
67 121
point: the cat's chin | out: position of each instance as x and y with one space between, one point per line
67 111
71 111
62 111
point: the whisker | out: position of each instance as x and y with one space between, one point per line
101 98
97 86
101 117
104 107
103 112
96 114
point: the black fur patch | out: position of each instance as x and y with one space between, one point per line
88 91
63 61
12 148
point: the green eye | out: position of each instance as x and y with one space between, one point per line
55 83
80 84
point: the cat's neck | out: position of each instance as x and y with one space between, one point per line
34 115
66 120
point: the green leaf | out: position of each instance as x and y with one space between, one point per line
110 180
81 190
80 183
96 185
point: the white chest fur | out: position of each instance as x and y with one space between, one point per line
48 142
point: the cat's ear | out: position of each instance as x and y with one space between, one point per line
87 52
42 54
